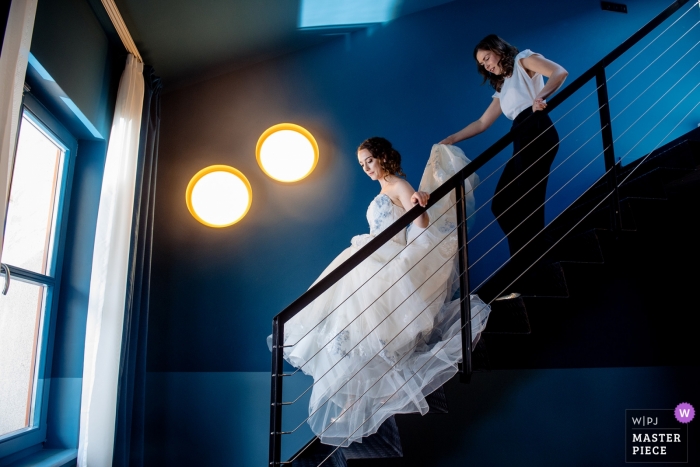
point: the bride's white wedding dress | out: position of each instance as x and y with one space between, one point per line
388 333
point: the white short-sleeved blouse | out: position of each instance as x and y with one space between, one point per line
519 91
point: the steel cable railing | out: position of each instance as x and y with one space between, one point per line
437 269
656 102
374 301
527 168
419 342
455 182
580 124
587 165
654 127
619 163
558 166
531 214
385 346
582 101
452 257
502 142
579 148
375 273
388 398
655 39
550 248
592 210
695 87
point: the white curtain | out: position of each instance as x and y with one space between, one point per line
13 67
105 319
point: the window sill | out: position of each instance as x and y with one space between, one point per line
48 458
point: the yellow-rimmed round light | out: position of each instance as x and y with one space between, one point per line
219 196
287 152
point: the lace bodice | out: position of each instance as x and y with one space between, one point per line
381 213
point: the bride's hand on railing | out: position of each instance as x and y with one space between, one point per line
420 197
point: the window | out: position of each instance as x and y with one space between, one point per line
31 252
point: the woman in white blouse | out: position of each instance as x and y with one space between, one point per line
518 80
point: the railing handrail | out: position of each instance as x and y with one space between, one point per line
363 253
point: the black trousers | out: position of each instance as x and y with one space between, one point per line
521 191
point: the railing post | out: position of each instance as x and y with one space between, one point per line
465 368
276 393
609 150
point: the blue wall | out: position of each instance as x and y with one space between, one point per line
547 417
72 45
217 418
412 81
214 291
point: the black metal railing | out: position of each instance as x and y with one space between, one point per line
456 183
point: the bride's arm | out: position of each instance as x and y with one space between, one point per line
409 198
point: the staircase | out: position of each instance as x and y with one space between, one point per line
596 298
569 313
587 305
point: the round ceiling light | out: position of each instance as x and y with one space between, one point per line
287 152
219 196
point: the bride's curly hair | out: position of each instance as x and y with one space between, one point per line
507 52
382 150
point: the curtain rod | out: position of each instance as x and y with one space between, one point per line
119 25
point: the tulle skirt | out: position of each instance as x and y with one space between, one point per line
388 333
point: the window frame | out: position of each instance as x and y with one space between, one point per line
34 435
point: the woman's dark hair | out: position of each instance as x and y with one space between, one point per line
382 150
507 52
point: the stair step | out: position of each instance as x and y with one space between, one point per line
592 330
684 185
543 280
600 218
437 401
508 317
480 357
640 213
317 455
385 443
579 248
598 214
628 216
587 213
651 184
679 154
650 176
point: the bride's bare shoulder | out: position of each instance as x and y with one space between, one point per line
402 186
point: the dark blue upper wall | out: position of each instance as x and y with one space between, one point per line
72 45
412 81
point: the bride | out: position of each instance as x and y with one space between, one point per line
381 339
